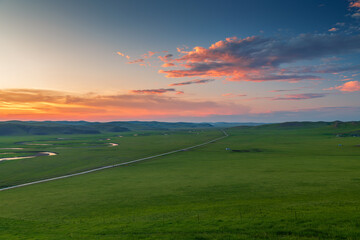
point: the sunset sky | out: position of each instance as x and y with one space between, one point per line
198 60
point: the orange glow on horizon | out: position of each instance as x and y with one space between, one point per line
31 104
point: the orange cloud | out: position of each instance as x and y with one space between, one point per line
355 4
351 86
167 59
149 54
333 29
168 65
34 104
121 54
356 9
140 60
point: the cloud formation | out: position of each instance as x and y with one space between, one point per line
34 104
260 59
123 55
288 90
156 91
140 60
196 81
327 68
352 86
168 65
168 60
302 96
149 54
233 95
355 6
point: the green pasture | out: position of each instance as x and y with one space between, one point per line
290 183
78 153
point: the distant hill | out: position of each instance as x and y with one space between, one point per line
14 128
20 128
293 125
234 124
339 128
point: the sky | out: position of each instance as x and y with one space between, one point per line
198 60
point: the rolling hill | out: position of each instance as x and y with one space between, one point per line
20 128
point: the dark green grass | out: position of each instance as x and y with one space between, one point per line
301 185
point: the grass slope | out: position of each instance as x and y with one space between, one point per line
301 185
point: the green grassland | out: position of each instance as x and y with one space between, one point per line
83 152
285 181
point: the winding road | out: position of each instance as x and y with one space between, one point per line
114 165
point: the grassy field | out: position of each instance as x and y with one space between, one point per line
284 182
83 152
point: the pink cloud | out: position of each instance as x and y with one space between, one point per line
333 29
351 86
140 60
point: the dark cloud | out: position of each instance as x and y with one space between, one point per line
302 96
154 91
284 77
196 81
328 68
167 59
289 90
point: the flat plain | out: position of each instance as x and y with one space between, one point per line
281 181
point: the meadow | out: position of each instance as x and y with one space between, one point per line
78 153
285 181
